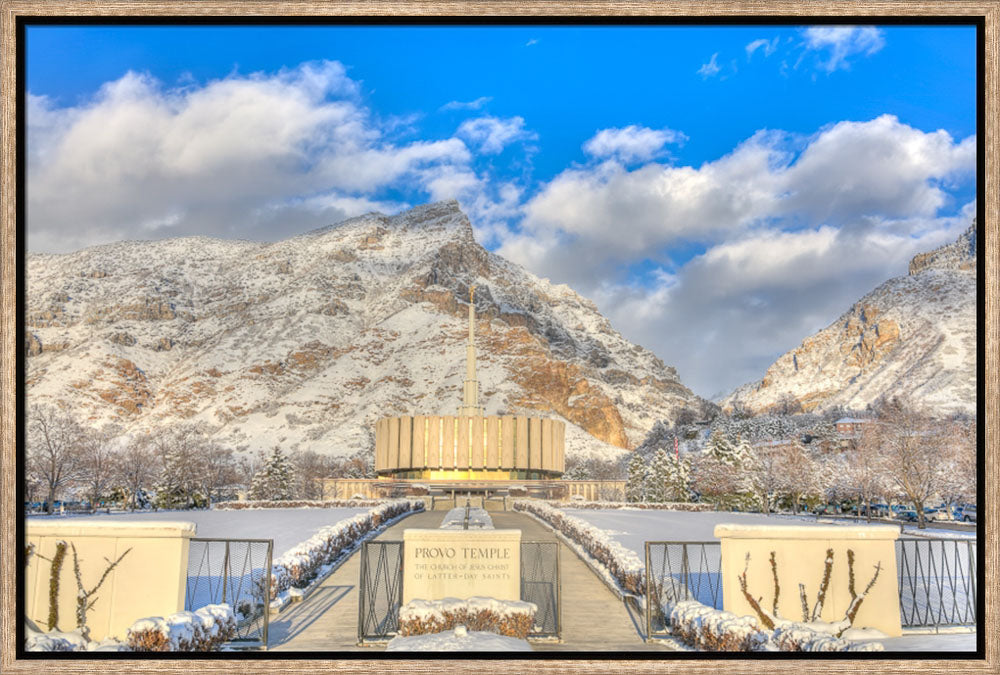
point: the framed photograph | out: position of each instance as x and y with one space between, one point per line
621 336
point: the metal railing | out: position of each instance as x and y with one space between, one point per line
236 572
540 584
680 570
380 588
937 581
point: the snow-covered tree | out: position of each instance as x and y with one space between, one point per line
635 483
53 449
669 478
98 455
135 468
914 446
724 472
276 479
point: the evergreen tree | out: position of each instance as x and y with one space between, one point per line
275 480
677 479
635 484
656 485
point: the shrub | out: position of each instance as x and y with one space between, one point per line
300 565
204 630
299 504
512 618
623 564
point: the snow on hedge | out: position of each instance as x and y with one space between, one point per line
460 639
710 629
513 618
297 504
301 564
200 631
624 565
639 506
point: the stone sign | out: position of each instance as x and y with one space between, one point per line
461 564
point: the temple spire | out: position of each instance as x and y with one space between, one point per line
470 393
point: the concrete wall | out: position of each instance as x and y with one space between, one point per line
448 442
149 581
800 554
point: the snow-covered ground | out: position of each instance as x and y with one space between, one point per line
287 527
458 640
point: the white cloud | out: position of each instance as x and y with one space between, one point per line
768 47
711 68
843 42
531 42
630 144
792 232
467 105
240 156
493 134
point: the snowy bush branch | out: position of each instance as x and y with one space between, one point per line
512 618
624 565
711 629
298 504
658 506
204 630
300 565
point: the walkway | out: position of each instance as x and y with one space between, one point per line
594 618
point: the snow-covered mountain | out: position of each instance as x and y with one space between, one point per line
306 342
913 335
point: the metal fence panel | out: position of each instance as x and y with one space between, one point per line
540 584
380 589
680 570
236 572
937 581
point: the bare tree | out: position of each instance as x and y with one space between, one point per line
135 468
958 480
799 474
914 448
216 468
98 455
866 473
311 468
767 478
53 450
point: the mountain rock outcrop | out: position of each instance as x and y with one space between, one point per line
913 335
307 341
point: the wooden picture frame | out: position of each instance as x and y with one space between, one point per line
709 11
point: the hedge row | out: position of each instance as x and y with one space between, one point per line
709 629
300 565
658 506
623 564
512 618
298 504
204 630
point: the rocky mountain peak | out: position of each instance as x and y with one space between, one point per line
958 255
914 334
307 341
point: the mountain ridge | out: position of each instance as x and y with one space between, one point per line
304 342
914 334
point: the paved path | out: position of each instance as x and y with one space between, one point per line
594 619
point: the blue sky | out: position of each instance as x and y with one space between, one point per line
720 192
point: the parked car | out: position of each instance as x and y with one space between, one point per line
933 513
908 515
968 513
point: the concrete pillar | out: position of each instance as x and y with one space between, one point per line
478 439
462 443
508 435
405 442
521 443
534 443
493 443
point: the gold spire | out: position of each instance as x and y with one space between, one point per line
470 391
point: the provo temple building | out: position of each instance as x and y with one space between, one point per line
465 453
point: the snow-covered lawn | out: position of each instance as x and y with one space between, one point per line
287 527
631 528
